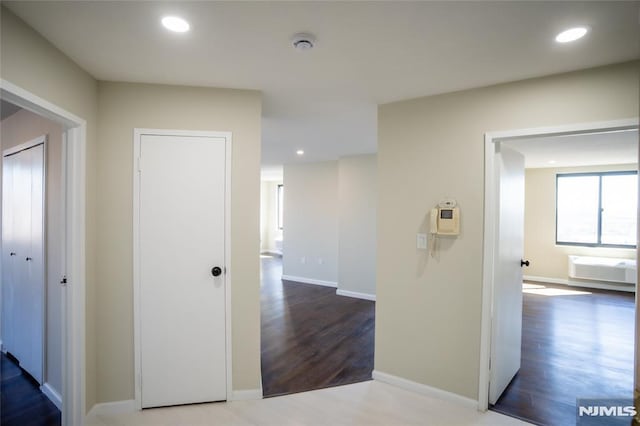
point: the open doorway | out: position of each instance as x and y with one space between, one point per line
72 190
315 334
579 270
33 232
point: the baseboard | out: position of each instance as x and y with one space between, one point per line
310 281
601 285
355 294
272 253
116 407
52 394
243 395
424 389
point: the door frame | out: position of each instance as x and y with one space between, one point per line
137 138
74 146
490 225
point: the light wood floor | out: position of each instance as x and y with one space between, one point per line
367 403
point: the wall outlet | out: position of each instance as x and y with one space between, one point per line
421 241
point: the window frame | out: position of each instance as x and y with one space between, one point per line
599 229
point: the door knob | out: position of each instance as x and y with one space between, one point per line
28 259
12 254
215 271
524 263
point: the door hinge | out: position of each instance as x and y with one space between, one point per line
139 161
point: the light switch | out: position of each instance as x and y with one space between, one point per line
421 241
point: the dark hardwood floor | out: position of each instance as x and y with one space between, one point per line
573 346
22 402
311 338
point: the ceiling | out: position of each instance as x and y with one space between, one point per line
324 101
620 147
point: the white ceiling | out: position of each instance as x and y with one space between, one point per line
578 150
367 53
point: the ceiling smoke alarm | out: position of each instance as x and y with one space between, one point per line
303 41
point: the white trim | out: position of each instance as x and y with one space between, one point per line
490 222
52 394
601 285
423 389
112 408
73 322
310 281
356 295
137 135
40 140
246 395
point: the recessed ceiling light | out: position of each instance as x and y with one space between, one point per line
300 152
175 24
551 161
572 34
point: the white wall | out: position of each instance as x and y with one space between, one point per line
428 311
311 221
549 260
357 201
269 230
18 128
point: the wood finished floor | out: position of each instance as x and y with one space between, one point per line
311 338
22 403
573 346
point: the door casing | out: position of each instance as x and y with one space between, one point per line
491 222
137 137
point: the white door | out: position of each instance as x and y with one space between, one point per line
9 254
506 333
181 239
24 243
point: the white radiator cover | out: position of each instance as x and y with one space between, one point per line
603 269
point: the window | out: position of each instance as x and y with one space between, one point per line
280 205
597 209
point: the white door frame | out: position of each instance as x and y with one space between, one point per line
490 225
137 138
73 304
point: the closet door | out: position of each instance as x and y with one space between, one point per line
25 304
9 255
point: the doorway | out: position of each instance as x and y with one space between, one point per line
491 292
73 252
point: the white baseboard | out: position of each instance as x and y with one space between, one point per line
116 407
602 285
243 395
310 281
424 389
52 394
355 294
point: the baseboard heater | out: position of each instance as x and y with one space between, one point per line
603 269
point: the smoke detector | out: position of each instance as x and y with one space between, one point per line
303 41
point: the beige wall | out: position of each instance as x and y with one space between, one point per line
24 126
311 221
32 63
357 202
123 107
428 311
269 215
549 260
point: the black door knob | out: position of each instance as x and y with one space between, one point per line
28 259
524 263
215 271
12 254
